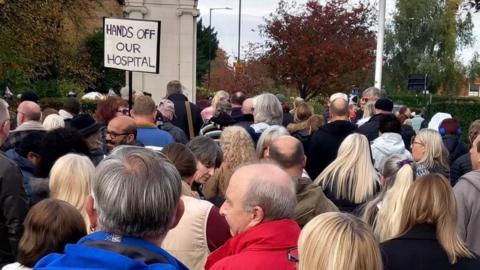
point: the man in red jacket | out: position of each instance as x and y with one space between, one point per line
259 206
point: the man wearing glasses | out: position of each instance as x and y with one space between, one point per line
121 130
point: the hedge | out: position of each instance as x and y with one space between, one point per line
463 109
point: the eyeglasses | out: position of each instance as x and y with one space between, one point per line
292 255
115 135
412 142
365 99
124 111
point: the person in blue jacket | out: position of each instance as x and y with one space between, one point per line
135 201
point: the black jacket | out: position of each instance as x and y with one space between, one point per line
407 132
324 145
14 207
460 166
181 119
419 249
370 128
455 147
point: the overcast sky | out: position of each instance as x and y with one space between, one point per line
253 12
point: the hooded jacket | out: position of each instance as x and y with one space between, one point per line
264 246
467 194
455 147
324 145
101 250
386 145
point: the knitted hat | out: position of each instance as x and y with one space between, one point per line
85 124
384 104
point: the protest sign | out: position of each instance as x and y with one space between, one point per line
132 45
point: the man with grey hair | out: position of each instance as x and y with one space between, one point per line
288 152
187 114
135 201
165 117
13 199
28 119
259 207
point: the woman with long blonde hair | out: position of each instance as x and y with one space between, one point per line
70 181
238 148
338 241
384 212
208 112
430 153
428 237
350 180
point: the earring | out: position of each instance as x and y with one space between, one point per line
92 228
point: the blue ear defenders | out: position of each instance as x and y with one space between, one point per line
443 131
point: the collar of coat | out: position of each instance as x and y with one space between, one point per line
274 235
420 232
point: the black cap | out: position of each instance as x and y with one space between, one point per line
29 96
384 104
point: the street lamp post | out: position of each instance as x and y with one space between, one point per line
380 39
239 28
210 41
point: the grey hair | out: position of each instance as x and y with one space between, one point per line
267 109
4 114
174 87
375 92
136 192
277 201
267 137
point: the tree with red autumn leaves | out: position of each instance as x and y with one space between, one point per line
253 79
320 48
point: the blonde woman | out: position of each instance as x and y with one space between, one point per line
267 137
384 212
208 112
70 181
238 148
428 237
350 180
430 153
368 112
338 241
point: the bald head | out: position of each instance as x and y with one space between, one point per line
247 106
268 187
28 111
121 130
123 124
339 108
288 152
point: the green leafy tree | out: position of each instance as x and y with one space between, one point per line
207 45
41 45
107 77
474 68
424 38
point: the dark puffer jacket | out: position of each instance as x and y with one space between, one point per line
460 166
455 147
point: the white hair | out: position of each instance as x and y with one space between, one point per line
53 121
267 137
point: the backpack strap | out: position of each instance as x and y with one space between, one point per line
188 108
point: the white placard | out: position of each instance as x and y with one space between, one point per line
132 45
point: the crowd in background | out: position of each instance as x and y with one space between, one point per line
244 183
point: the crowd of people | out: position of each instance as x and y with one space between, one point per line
244 183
